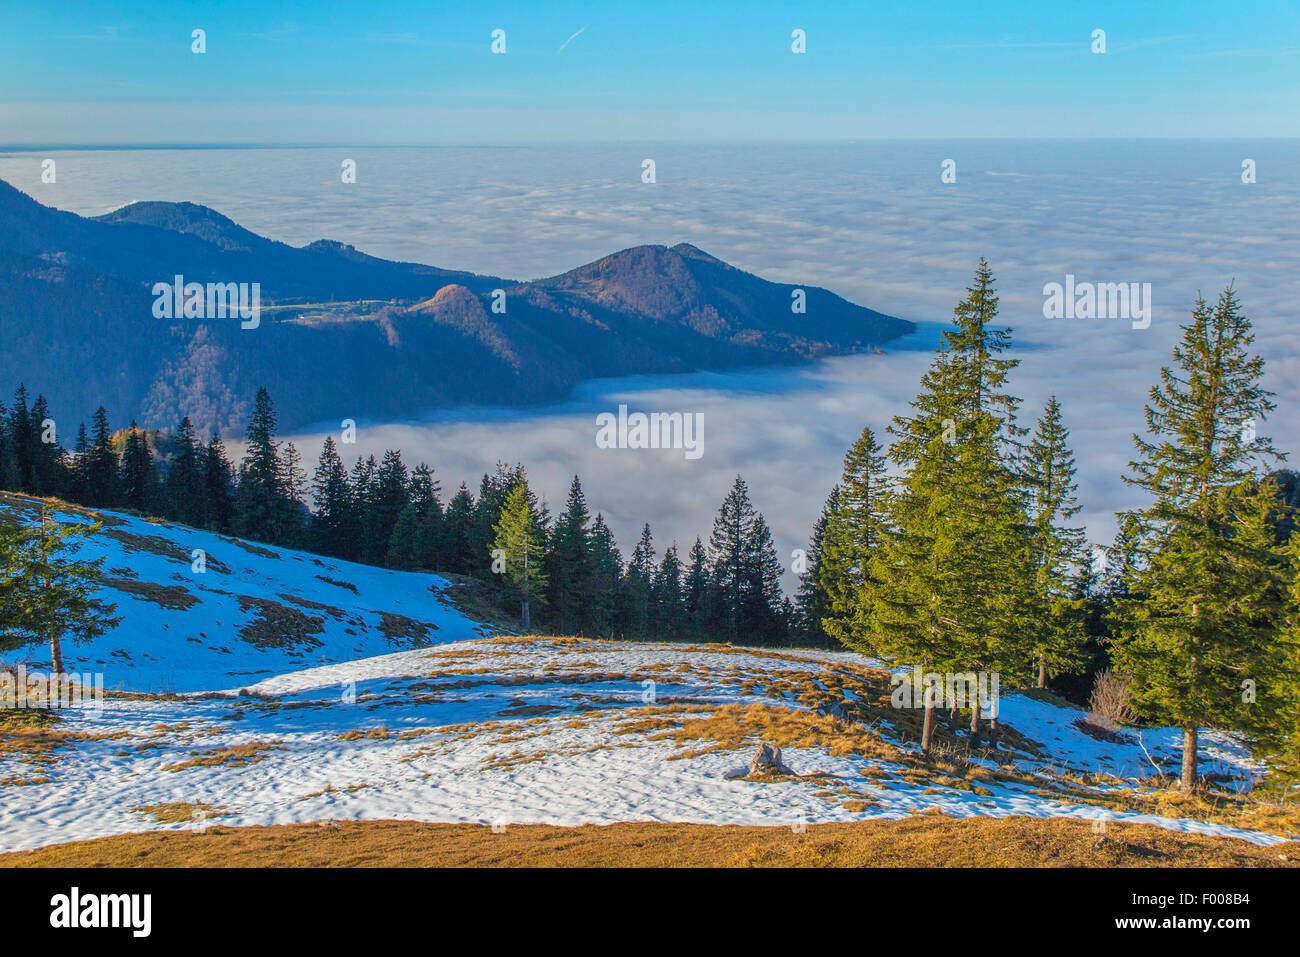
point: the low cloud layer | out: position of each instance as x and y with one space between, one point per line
871 222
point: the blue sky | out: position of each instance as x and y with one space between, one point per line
421 72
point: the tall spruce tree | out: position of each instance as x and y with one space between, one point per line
606 575
261 509
456 541
668 617
697 590
569 569
766 611
414 542
493 490
293 482
103 481
218 487
391 496
333 527
744 600
812 602
8 461
521 544
637 583
364 480
730 546
1057 635
1201 621
183 489
79 478
21 438
139 472
851 533
47 473
1278 737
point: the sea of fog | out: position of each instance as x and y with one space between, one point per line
871 221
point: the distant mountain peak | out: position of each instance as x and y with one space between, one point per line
397 337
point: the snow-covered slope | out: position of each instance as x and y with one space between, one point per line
449 725
244 612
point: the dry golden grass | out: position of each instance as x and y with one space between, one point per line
918 841
734 726
235 756
180 812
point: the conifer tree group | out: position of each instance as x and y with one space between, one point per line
565 575
963 559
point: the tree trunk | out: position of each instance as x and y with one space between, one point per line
974 724
56 653
927 730
1042 671
993 732
526 619
1189 760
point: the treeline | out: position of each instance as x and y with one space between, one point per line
961 556
568 570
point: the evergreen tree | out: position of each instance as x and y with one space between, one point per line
456 541
183 490
697 589
812 601
139 473
668 618
103 482
1056 550
634 611
46 593
1206 596
404 551
568 567
493 490
426 499
606 576
745 573
21 438
333 524
47 476
765 610
218 487
365 487
260 501
79 482
851 532
1278 736
732 529
391 496
521 537
14 542
8 462
293 481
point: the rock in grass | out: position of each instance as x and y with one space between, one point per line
767 760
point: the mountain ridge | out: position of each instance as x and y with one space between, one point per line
344 333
